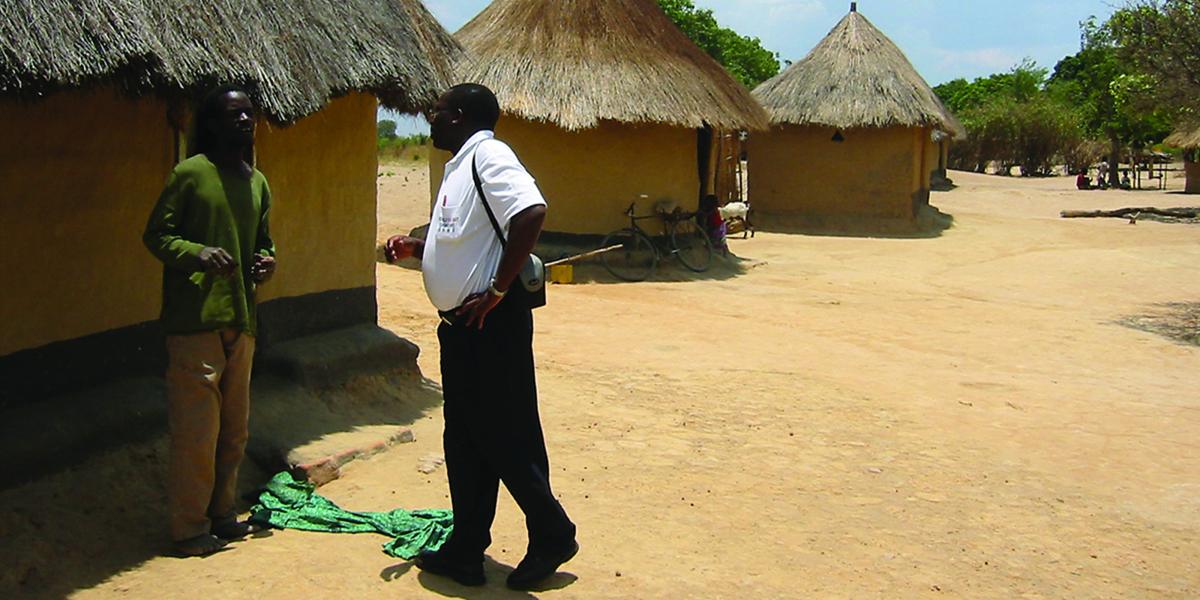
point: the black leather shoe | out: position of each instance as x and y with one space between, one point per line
537 566
464 573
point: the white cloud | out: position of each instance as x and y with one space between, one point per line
988 59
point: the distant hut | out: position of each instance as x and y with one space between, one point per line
94 101
1189 140
604 101
938 151
852 131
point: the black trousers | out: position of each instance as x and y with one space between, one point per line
493 432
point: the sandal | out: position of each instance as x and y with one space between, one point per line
201 545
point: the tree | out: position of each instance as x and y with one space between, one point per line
1108 94
1011 121
387 129
744 57
1161 39
1021 84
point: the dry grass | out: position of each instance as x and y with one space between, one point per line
1188 138
294 55
577 62
855 77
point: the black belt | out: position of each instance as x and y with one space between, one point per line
450 318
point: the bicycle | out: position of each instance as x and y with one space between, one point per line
637 254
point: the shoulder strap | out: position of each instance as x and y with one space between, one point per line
483 199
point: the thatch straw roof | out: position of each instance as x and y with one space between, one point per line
575 63
1187 138
855 77
294 55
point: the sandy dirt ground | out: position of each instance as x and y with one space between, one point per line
962 415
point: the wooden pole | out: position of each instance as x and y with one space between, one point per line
563 261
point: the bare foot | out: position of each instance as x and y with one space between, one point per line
201 545
234 529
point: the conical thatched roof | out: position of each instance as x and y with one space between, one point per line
577 62
856 77
294 55
1187 138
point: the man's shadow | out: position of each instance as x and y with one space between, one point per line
496 574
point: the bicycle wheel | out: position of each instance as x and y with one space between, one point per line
692 247
636 258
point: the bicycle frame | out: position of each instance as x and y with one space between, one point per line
670 221
675 228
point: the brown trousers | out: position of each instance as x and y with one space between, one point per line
208 397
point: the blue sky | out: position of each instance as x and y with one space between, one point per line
944 39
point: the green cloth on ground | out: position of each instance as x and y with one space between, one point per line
290 503
201 206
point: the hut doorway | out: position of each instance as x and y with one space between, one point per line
719 159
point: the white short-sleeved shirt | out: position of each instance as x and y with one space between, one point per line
462 251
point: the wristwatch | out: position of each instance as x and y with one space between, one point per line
495 292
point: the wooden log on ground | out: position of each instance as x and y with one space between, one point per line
1134 212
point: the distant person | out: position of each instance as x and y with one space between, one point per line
492 432
1102 174
709 219
210 230
1126 184
1082 181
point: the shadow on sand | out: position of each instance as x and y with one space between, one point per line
80 526
929 223
725 265
495 572
1176 321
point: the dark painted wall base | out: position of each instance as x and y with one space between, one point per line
139 350
38 438
300 316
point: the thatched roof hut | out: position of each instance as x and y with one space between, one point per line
1185 137
93 103
855 77
602 101
295 55
854 131
576 63
1188 138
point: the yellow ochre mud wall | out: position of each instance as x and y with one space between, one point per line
875 173
80 172
933 152
1192 172
589 177
322 171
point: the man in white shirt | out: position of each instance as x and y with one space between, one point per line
492 432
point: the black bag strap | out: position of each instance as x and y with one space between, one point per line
483 198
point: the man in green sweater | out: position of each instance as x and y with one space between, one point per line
210 230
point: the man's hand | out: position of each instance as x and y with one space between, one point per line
477 307
217 261
262 269
400 247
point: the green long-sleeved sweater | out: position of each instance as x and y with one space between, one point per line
204 206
